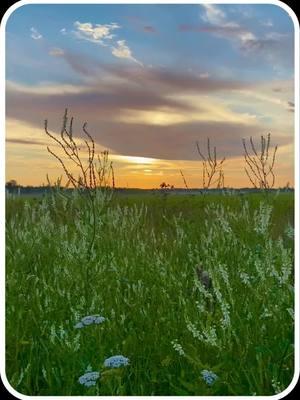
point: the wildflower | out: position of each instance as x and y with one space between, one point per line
177 347
89 320
245 278
276 386
289 231
209 377
116 361
89 378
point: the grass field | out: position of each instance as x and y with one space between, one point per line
140 275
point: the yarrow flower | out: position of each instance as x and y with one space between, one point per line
209 377
89 320
89 379
116 361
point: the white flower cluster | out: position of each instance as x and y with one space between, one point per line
89 320
177 347
289 231
209 377
89 378
116 361
262 218
245 278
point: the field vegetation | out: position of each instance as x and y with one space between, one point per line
137 265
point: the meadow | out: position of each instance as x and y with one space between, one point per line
178 336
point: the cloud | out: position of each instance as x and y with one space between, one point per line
143 112
149 29
26 142
273 47
102 34
162 80
123 51
44 89
204 75
213 14
75 61
35 34
168 82
277 89
56 52
97 33
221 26
291 106
231 32
268 23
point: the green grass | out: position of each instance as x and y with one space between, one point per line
140 275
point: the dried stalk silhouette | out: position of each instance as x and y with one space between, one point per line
93 174
260 164
184 180
212 169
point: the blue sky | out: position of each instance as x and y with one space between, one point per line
165 45
149 74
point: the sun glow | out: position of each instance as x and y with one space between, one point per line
135 160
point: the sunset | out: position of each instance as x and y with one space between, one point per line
150 201
150 81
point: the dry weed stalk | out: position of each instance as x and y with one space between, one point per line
260 164
211 168
91 176
184 180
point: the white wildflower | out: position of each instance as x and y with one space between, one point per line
276 386
116 361
289 231
194 331
89 378
89 320
245 278
177 347
209 377
291 312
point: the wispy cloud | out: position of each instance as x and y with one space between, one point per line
56 52
35 34
268 23
149 29
213 14
291 106
75 62
273 47
172 109
25 141
97 33
231 31
220 24
121 50
102 34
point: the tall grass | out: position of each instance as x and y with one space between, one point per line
142 279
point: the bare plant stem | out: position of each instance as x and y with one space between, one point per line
93 175
259 170
211 167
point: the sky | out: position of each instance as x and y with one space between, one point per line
150 81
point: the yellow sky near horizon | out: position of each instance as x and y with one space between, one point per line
28 162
